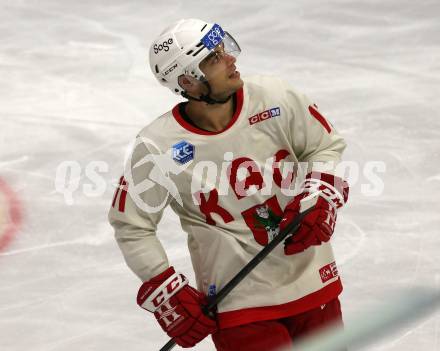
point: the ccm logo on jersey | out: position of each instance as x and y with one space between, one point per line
328 272
262 116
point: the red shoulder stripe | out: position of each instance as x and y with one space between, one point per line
320 119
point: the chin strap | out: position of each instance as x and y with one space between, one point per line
205 97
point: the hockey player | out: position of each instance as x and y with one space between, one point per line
223 161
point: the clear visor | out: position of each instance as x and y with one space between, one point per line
230 46
227 47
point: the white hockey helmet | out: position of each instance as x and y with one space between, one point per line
181 47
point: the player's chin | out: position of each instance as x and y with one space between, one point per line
235 78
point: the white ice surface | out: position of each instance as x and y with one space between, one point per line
75 86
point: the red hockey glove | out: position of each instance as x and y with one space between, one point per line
177 307
327 193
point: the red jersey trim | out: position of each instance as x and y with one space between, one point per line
315 113
306 303
196 130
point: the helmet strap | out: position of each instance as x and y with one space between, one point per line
205 97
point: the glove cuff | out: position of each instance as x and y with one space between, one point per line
158 290
332 188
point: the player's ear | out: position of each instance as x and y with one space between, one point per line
190 84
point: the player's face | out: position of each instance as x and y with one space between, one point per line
220 71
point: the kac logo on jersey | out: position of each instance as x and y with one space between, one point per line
183 152
262 116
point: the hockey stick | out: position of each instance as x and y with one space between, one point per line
291 228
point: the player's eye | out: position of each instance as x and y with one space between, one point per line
216 57
210 57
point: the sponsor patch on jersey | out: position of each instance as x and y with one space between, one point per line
262 116
183 152
328 272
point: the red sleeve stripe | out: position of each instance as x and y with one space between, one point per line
123 196
320 119
117 191
123 185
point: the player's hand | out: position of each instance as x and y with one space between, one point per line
177 307
327 193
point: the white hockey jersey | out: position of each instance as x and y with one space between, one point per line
229 189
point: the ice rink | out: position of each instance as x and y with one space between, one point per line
76 87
